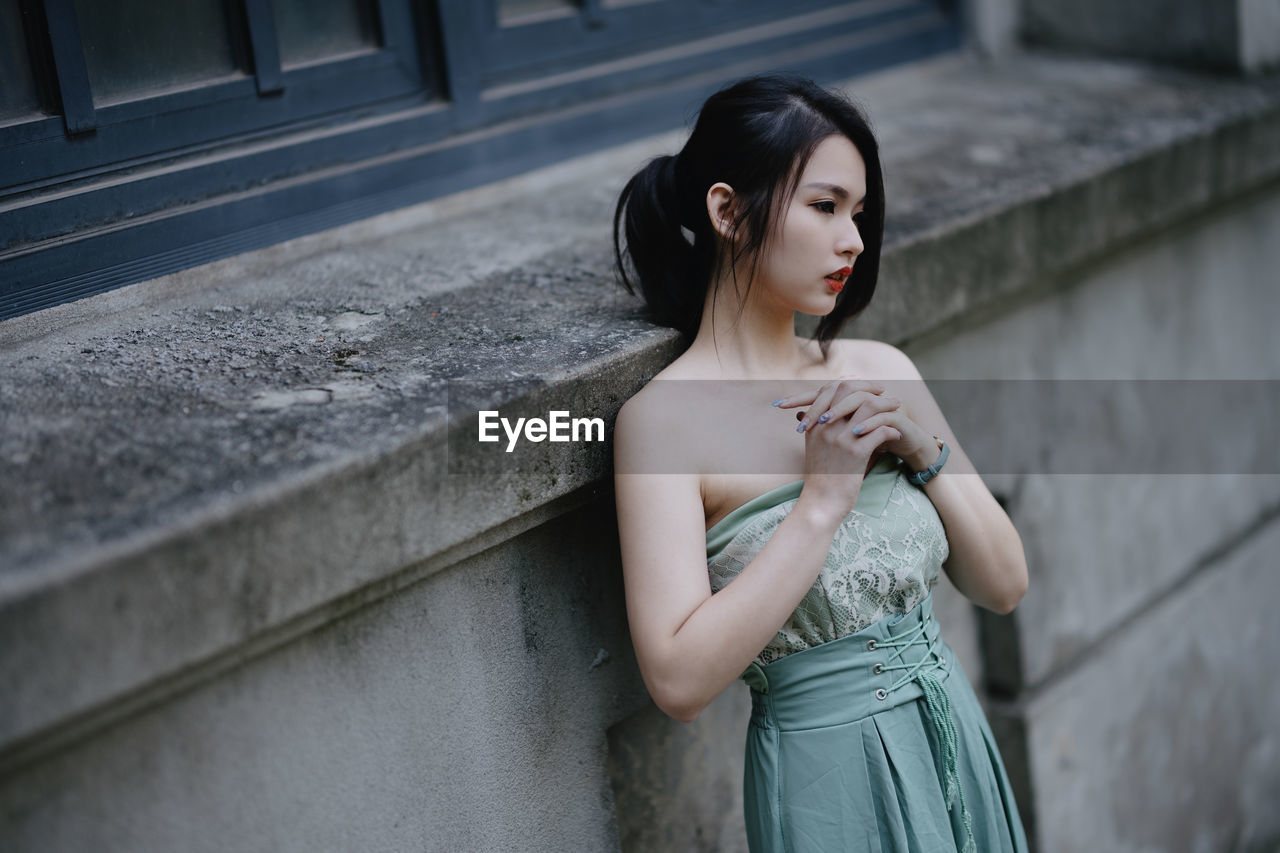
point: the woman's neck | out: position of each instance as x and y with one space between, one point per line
754 343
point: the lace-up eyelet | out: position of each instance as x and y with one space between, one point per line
871 645
881 693
878 668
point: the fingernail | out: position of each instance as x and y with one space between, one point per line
803 426
777 402
824 417
857 430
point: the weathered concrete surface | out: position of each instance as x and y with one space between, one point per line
1259 35
168 524
1191 303
1111 717
259 566
1230 35
1168 738
466 712
992 27
679 786
1003 175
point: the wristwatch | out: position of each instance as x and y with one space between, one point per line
919 478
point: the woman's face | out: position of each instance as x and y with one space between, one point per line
804 266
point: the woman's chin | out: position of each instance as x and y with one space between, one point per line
819 309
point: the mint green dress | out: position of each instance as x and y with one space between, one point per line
865 733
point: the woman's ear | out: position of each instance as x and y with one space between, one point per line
720 208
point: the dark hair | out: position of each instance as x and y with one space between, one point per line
757 136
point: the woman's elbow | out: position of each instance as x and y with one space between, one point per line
1012 592
1006 605
683 713
674 697
1013 578
677 704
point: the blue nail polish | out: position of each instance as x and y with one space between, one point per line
777 402
857 430
803 425
824 417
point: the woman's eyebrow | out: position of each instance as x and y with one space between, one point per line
834 189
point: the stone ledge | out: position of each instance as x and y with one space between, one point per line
208 463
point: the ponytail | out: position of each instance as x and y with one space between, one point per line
755 135
671 274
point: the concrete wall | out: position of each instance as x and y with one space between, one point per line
1144 646
1228 35
993 27
465 712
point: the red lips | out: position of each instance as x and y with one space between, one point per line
835 280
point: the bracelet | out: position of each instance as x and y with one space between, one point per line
919 478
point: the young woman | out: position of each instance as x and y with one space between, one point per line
785 505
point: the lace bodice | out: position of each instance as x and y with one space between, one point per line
885 557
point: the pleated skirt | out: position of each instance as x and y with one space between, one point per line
845 755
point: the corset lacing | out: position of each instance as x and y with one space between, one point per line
923 672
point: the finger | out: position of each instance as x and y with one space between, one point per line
891 421
804 398
858 407
862 404
818 412
834 401
881 435
793 400
821 402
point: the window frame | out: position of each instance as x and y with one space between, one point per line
517 84
94 139
506 52
122 221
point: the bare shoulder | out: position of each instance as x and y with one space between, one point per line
871 359
639 415
652 404
661 408
894 369
647 421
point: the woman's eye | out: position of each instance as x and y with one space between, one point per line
826 206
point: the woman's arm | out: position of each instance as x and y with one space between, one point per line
690 644
987 563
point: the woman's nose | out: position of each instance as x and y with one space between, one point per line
850 240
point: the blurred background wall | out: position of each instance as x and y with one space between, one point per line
260 588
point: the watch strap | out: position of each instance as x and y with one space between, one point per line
919 478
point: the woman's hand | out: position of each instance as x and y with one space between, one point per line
840 400
832 447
